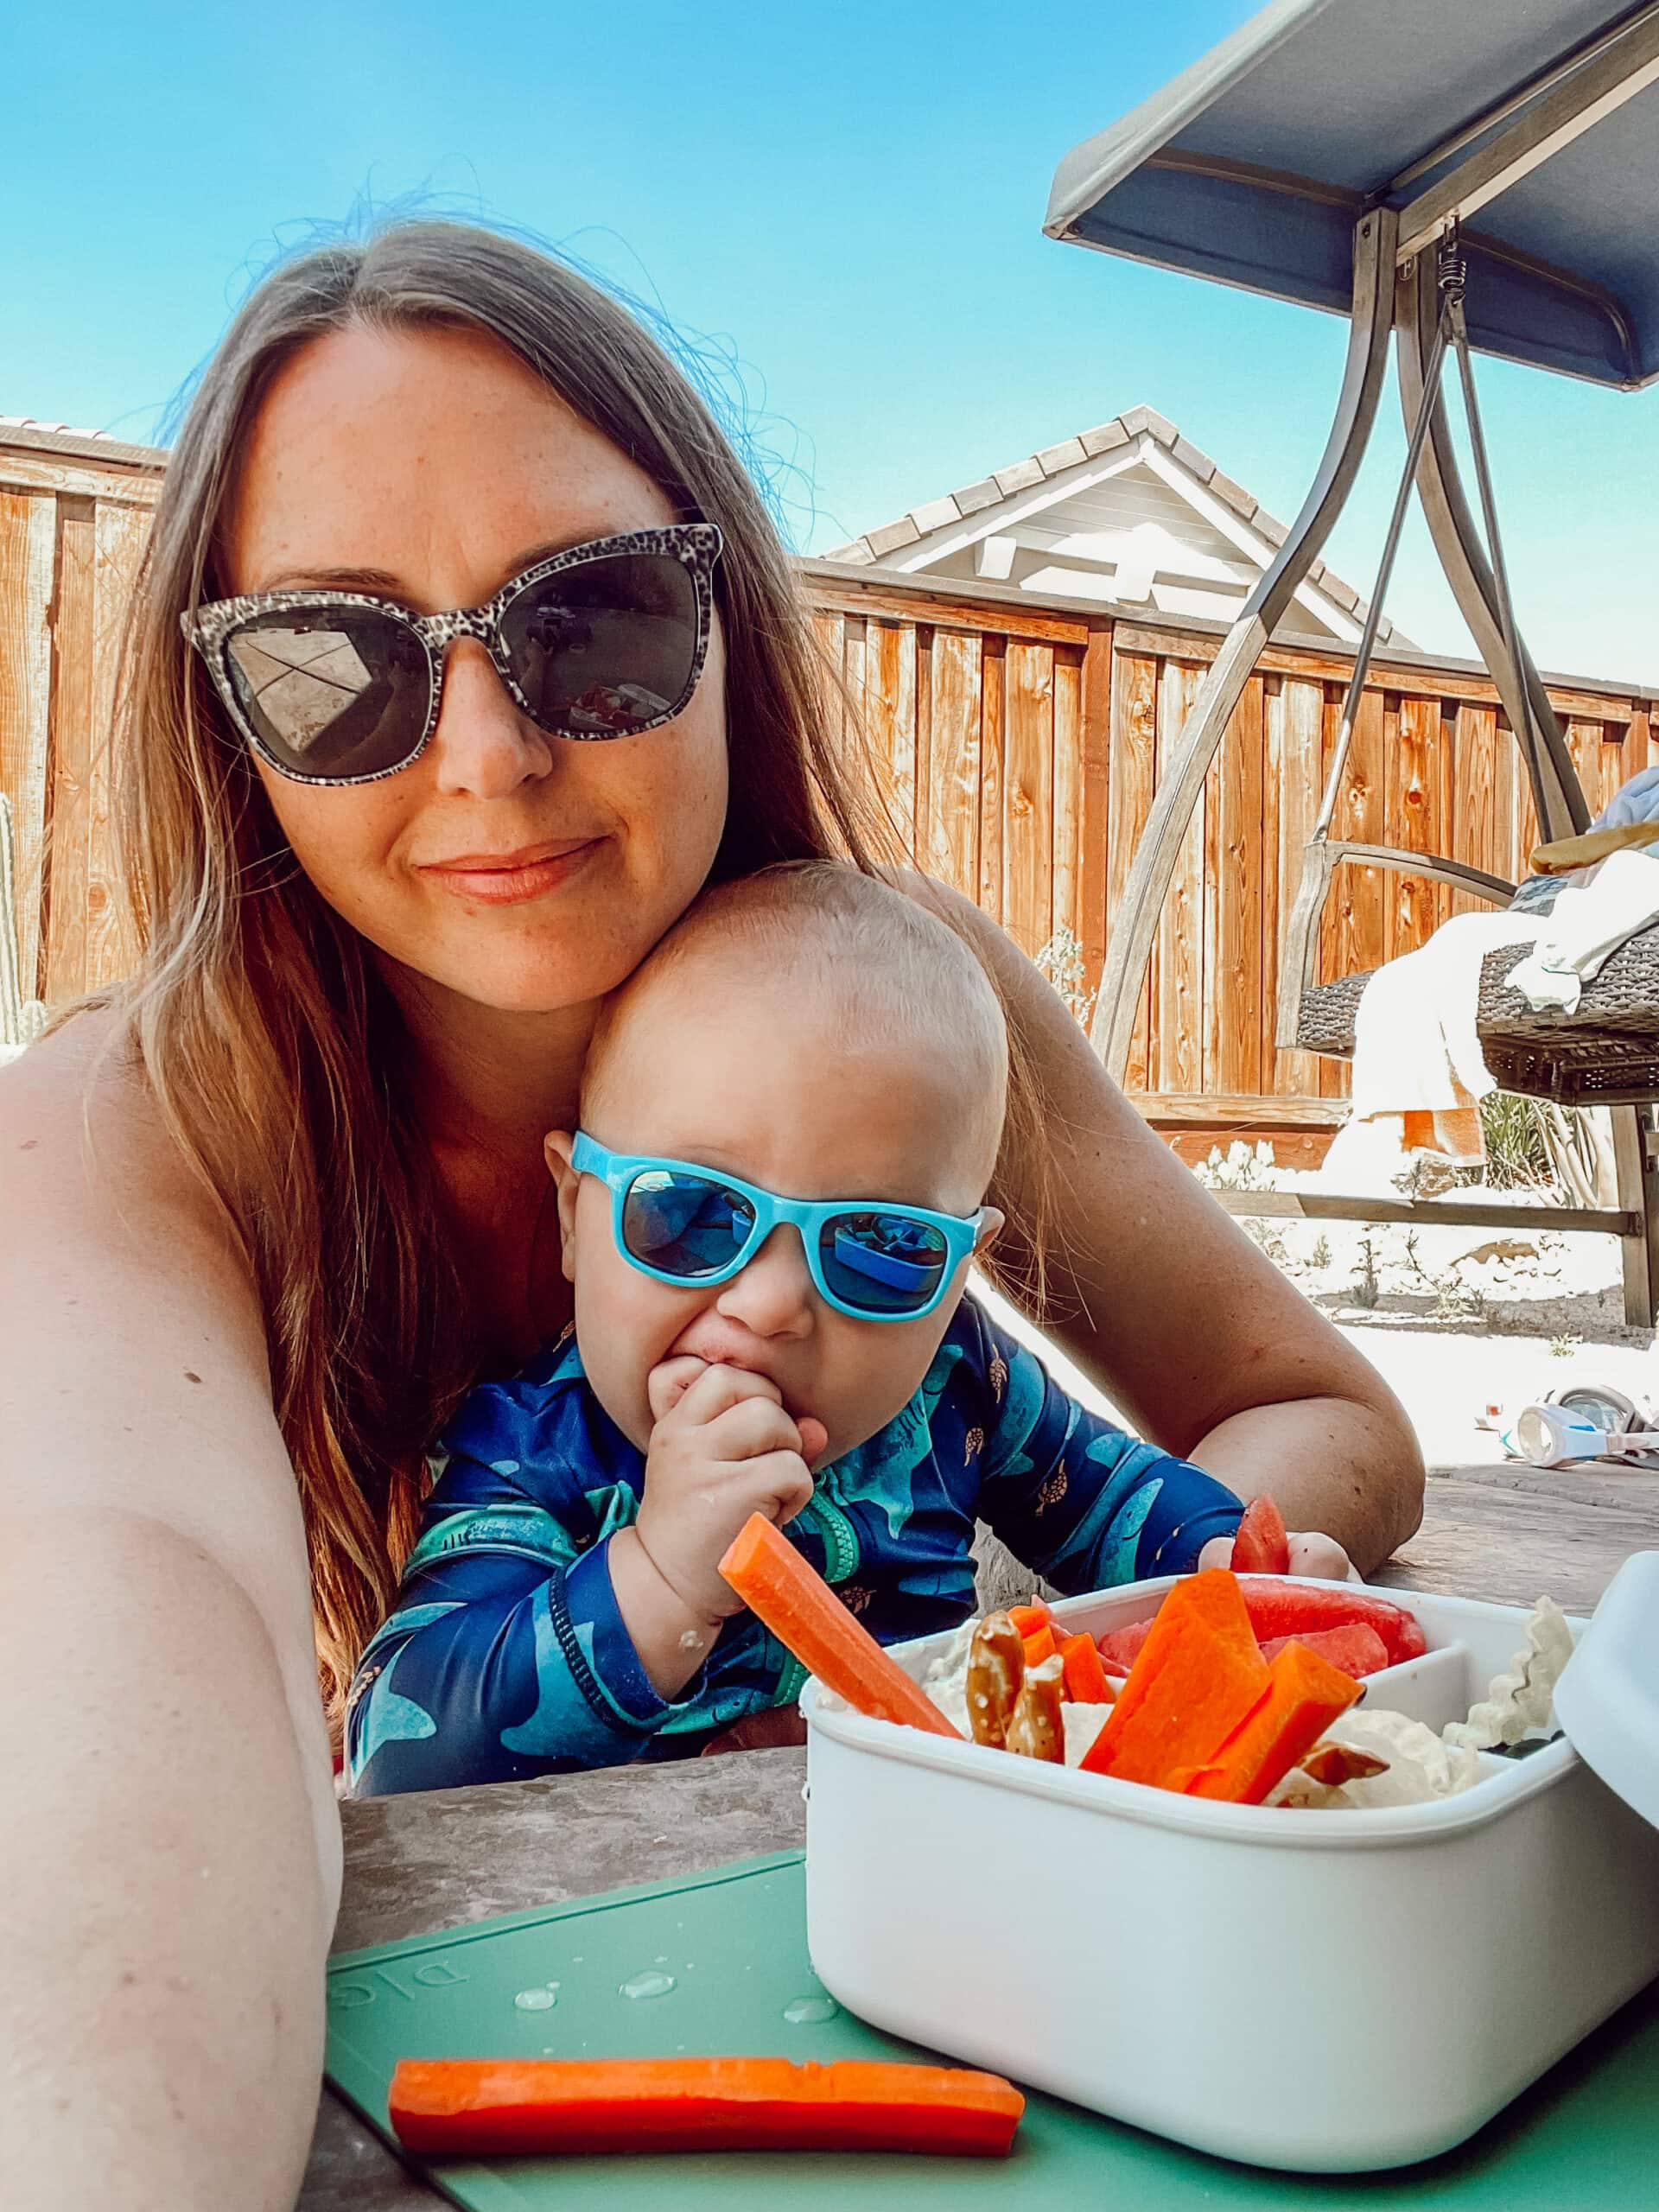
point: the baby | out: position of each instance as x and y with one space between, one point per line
790 1113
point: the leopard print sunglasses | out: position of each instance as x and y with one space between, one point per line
605 640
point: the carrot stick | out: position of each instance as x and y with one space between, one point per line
1304 1695
1085 1677
1028 1619
1040 1646
1194 1680
480 2108
806 1616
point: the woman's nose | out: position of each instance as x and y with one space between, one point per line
773 1296
484 746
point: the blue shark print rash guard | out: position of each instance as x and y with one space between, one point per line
506 1656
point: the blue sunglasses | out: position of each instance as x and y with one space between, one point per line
683 1223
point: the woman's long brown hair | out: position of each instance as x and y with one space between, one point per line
265 1033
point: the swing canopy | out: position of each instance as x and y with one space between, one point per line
1534 122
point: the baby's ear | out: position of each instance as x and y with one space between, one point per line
557 1145
989 1230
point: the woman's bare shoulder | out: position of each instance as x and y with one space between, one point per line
85 1149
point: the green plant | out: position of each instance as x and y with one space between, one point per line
1320 1256
1525 1139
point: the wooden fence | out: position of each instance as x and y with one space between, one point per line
73 515
1018 746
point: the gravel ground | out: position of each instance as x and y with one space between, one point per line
1455 1319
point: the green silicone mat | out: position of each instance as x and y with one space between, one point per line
719 1963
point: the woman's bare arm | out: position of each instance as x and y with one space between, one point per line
170 1837
1164 1301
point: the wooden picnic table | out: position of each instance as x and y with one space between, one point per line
417 1863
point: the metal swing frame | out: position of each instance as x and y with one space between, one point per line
1400 251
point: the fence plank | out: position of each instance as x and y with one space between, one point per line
1067 912
1478 829
27 556
1095 803
1133 774
1414 820
1281 1072
1616 761
1235 890
827 633
993 772
1180 941
1211 992
119 535
1352 940
890 719
953 762
1298 784
924 636
1028 831
1584 743
69 884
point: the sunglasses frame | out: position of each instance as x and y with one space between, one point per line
619 1171
210 628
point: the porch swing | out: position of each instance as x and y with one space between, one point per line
1341 153
1320 1017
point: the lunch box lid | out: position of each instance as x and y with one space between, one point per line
1607 1700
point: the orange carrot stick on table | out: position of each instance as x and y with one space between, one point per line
483 2108
807 1617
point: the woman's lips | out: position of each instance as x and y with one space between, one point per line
510 878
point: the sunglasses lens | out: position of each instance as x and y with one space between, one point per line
685 1225
331 692
882 1263
606 647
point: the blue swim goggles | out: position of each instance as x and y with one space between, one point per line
683 1223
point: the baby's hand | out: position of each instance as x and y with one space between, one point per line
721 1449
1311 1553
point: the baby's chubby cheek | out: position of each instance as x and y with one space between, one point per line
868 1372
625 1325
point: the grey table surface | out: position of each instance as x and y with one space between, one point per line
415 1865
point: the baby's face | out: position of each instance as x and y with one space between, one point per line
748 1082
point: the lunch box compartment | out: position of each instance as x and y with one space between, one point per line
1324 1991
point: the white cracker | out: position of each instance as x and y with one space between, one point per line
1522 1700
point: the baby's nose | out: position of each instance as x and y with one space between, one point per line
774 1294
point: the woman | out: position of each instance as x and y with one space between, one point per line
271 1207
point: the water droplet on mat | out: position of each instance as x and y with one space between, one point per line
649 1984
537 2000
806 2009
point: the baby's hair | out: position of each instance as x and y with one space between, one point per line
876 959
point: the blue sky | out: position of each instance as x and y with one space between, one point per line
845 203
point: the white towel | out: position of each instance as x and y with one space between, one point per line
1415 1050
1597 910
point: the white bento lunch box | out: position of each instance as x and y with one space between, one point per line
1330 1992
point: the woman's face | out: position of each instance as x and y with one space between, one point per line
429 467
